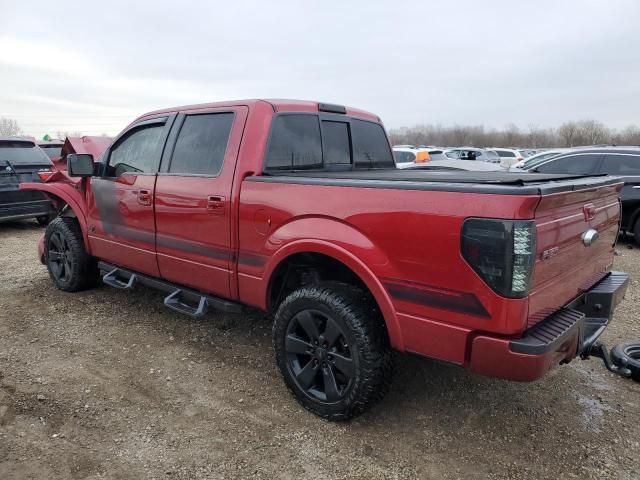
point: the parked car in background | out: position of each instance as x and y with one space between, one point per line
53 148
406 157
533 160
20 161
508 156
471 153
620 161
465 165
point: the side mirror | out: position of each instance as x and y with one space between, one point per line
80 165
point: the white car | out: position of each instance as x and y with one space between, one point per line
407 157
508 157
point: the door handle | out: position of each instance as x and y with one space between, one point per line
144 197
215 203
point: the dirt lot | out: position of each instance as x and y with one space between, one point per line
108 384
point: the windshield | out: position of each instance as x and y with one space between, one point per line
22 153
52 151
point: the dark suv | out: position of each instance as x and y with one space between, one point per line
20 161
621 161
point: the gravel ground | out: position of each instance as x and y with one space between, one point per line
108 384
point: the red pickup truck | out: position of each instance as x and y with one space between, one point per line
296 208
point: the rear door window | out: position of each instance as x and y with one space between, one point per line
616 164
201 144
584 164
404 157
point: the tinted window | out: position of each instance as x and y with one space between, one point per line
335 143
621 164
201 144
404 157
137 152
295 143
25 153
505 153
437 155
574 164
370 146
52 151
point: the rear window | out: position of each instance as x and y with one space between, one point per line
621 164
304 141
404 157
505 153
295 143
22 153
52 151
437 155
335 143
370 145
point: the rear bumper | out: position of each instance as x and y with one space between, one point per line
557 339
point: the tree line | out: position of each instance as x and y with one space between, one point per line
569 134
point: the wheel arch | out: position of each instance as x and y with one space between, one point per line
67 200
340 257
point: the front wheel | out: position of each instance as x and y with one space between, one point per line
70 266
332 349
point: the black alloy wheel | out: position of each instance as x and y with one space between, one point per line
60 257
319 356
332 349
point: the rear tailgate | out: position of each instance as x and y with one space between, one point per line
566 264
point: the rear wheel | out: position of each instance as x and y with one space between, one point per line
332 349
69 265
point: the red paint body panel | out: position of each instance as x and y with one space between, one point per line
492 357
386 236
123 227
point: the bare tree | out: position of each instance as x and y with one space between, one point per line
9 127
592 132
568 132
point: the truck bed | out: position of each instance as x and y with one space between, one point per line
506 183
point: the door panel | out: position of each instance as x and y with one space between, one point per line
193 209
121 219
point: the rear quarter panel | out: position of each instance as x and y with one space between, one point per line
409 242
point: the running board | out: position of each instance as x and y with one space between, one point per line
181 299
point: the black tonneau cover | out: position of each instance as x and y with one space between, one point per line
506 183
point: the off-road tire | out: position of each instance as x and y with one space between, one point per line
82 268
364 330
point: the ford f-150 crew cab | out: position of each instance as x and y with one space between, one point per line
296 208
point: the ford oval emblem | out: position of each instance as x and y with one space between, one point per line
589 237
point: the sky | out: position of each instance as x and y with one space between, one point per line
95 66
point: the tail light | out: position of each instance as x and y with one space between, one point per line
502 252
45 175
